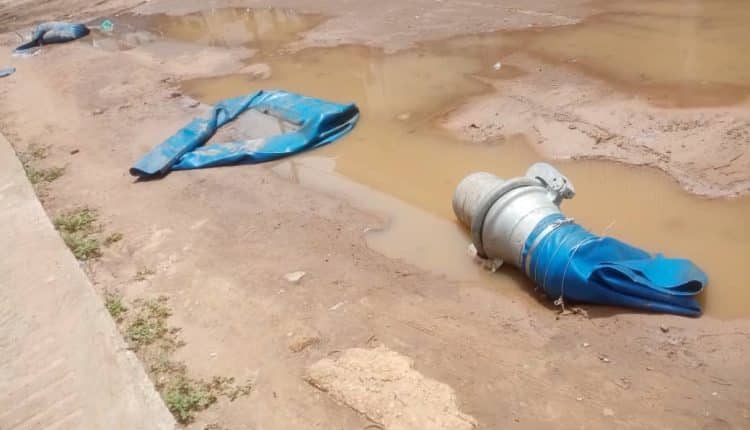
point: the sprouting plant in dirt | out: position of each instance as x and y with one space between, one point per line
143 273
34 152
148 333
76 220
112 238
150 323
37 175
77 228
114 305
184 397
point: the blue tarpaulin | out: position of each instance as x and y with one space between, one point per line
53 32
568 262
320 122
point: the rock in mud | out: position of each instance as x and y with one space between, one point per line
300 342
383 385
257 71
294 277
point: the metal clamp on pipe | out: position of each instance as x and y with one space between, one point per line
505 212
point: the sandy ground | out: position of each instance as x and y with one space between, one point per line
221 240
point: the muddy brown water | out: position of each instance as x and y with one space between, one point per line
399 163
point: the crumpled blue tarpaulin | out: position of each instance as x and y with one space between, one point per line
53 32
320 122
573 264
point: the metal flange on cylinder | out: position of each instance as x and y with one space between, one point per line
502 213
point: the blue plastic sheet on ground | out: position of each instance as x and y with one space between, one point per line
53 32
574 264
320 122
7 71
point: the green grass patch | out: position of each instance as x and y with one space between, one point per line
34 152
112 238
146 329
115 307
76 221
143 273
184 397
150 323
43 175
38 175
83 246
77 228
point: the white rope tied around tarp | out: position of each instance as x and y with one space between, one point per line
560 301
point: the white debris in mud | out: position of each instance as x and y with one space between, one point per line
336 306
488 264
382 385
257 71
294 277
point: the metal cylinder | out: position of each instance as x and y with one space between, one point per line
502 214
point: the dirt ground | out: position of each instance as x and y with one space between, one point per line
219 242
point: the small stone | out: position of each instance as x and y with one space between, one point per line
302 342
74 151
623 383
336 306
604 358
174 95
472 125
190 103
257 71
294 277
497 66
664 329
97 112
404 116
649 368
572 126
608 412
585 344
579 398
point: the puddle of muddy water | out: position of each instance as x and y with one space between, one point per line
399 163
681 52
263 29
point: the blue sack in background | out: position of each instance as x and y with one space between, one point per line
319 122
53 32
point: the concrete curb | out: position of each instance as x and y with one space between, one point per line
63 363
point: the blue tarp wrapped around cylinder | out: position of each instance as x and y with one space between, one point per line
320 122
568 262
53 32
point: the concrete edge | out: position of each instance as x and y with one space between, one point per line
65 365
